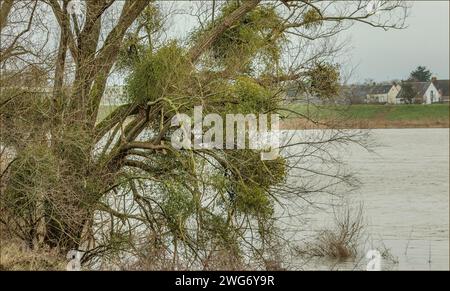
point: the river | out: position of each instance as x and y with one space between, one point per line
404 191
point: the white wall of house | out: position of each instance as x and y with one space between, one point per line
378 98
390 97
392 94
431 95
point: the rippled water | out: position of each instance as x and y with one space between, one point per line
405 193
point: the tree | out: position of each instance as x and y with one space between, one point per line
408 93
420 74
116 186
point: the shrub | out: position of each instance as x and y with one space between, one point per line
342 241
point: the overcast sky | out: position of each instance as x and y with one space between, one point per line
386 55
381 55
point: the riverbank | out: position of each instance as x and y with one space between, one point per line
366 116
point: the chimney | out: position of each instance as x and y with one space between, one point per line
433 80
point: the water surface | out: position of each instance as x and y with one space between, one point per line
405 193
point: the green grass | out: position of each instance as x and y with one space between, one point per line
368 112
409 112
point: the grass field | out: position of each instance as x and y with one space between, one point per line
363 116
373 116
393 112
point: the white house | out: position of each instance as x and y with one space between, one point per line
373 93
392 94
426 92
378 93
431 95
442 87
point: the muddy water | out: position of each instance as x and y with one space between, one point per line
405 194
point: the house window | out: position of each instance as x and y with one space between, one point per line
432 96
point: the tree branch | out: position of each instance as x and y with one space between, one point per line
208 40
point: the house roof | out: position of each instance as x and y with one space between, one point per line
442 86
358 90
419 87
364 90
380 89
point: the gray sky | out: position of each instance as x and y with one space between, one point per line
382 56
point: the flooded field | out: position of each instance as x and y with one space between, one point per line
404 191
